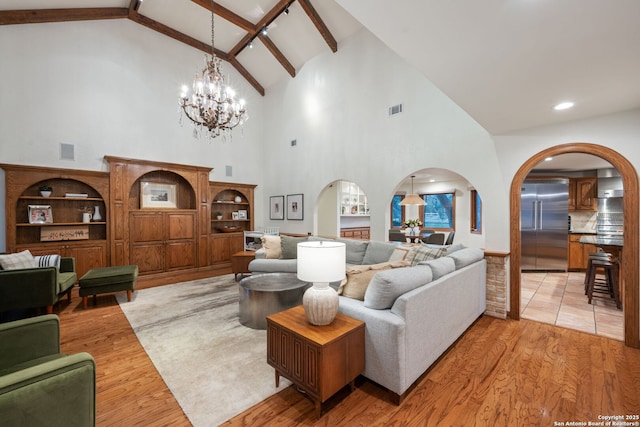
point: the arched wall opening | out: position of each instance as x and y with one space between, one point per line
630 288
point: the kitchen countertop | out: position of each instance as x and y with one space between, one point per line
583 231
600 240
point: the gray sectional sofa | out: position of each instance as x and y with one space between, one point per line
414 314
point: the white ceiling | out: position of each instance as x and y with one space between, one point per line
508 62
505 62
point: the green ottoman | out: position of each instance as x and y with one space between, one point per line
106 280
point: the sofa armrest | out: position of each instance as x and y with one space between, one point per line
28 288
56 392
29 339
260 254
67 265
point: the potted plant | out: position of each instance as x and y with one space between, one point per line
45 190
218 215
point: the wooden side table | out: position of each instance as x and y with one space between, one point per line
240 262
318 359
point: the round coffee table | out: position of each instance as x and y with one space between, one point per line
265 294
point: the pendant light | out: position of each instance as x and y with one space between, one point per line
412 199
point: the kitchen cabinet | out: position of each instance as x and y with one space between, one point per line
583 194
579 253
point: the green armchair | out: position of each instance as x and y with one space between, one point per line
39 386
36 287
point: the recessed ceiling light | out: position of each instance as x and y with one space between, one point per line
563 106
548 159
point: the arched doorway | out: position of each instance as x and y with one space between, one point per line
630 265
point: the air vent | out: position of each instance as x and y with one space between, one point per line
395 109
66 152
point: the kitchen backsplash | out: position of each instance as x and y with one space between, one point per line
583 221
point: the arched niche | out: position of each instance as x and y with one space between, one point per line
436 181
630 261
184 192
342 205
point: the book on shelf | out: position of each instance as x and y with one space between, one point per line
76 195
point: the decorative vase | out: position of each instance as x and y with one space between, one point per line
320 304
96 214
45 193
238 199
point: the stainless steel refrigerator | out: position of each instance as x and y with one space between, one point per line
543 224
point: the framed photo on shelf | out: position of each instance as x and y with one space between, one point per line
276 207
40 214
157 195
242 214
295 207
235 216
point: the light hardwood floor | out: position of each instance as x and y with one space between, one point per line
500 373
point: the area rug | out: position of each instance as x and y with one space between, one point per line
215 367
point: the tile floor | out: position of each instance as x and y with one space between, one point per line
559 299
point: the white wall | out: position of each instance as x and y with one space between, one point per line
337 110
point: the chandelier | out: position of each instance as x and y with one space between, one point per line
212 106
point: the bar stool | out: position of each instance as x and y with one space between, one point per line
607 286
599 255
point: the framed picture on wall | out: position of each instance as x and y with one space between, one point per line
242 214
157 195
295 207
276 207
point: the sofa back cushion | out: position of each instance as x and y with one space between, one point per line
290 246
355 250
440 267
466 256
17 260
388 285
378 252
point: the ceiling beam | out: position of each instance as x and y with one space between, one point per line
243 71
176 35
37 16
278 55
225 13
319 23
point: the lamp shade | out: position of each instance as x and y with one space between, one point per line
322 261
412 199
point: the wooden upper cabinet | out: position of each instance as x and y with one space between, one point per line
583 194
587 194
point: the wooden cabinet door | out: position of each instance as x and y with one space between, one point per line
146 227
89 256
572 194
587 193
576 258
180 254
148 257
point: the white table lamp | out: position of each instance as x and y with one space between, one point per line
321 262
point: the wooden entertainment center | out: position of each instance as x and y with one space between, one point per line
173 234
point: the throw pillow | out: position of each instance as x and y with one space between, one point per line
18 260
425 252
358 278
290 246
47 261
355 250
455 247
272 246
399 254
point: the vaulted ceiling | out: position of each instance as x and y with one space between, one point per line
296 30
505 62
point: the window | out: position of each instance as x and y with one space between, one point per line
397 213
440 211
476 212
